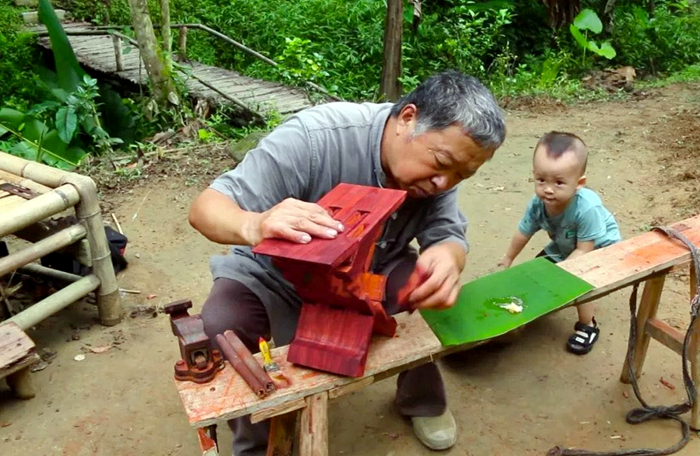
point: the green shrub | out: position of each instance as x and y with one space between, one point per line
19 56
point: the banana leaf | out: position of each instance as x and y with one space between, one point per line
69 72
538 286
38 141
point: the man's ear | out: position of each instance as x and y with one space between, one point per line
406 119
581 182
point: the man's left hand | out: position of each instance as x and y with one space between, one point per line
441 264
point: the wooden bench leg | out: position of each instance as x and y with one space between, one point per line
207 441
647 309
695 355
282 433
20 383
313 433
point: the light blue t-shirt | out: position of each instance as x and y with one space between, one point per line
584 219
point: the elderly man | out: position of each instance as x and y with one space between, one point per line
433 138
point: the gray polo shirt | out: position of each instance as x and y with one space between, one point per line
304 158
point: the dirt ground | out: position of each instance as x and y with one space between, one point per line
517 399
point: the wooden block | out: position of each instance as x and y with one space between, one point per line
331 340
360 209
17 353
16 349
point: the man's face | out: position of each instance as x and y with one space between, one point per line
432 162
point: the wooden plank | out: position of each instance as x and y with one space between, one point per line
16 349
666 334
227 396
313 429
281 409
632 260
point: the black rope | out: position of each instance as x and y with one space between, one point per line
647 412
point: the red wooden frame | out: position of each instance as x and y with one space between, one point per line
341 298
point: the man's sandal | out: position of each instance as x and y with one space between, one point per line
581 342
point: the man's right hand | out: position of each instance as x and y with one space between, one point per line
293 220
221 220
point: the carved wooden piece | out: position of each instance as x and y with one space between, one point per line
342 299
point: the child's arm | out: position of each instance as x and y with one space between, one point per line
581 248
516 246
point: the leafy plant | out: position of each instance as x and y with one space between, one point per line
588 21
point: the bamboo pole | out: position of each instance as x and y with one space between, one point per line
117 43
57 301
28 183
37 209
88 212
37 269
38 172
52 243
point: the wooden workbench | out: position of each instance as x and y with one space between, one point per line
647 257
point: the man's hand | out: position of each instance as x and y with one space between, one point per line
221 220
441 264
294 221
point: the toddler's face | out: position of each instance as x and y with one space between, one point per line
556 179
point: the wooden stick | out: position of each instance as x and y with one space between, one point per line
240 367
247 357
116 222
694 352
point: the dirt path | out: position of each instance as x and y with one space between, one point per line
519 399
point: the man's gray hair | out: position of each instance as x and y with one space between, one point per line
450 98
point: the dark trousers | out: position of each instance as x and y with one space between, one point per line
231 305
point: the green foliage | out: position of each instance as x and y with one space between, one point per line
668 41
587 20
19 57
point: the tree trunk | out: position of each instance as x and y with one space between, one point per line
151 53
165 27
391 87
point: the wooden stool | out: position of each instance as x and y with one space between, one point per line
17 354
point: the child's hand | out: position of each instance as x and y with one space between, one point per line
505 262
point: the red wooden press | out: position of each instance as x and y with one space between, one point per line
341 298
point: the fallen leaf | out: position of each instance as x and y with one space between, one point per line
103 349
5 423
151 296
625 394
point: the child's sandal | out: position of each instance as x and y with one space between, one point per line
581 342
